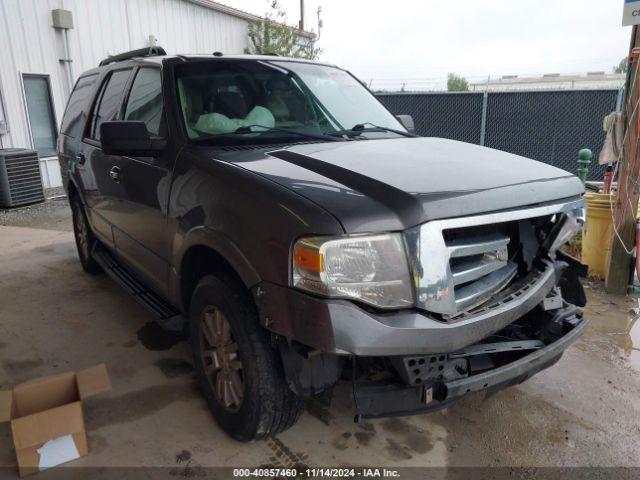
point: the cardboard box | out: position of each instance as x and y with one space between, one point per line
46 417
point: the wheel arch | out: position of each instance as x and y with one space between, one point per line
208 252
73 190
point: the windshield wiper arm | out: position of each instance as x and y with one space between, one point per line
362 127
247 129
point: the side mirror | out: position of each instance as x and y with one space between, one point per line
407 122
129 139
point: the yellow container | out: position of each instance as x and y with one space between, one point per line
596 241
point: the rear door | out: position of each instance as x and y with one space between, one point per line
95 168
72 124
140 209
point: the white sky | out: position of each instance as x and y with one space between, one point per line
420 41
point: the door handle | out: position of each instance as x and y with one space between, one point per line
81 158
116 174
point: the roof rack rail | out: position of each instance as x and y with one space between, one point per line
141 52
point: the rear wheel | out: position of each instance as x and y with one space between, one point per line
240 374
85 240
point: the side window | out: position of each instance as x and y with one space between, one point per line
145 100
108 106
72 120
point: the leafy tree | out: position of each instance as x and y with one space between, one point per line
456 83
271 34
622 66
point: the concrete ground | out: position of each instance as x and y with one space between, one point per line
584 411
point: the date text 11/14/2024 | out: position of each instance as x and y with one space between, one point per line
316 473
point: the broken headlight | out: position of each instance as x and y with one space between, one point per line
371 269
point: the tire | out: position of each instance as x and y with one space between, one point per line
262 404
85 239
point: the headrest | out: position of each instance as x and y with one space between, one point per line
230 104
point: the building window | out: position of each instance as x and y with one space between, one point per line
42 120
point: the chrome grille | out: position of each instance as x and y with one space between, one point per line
456 275
479 267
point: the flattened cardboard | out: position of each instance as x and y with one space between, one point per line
48 408
93 381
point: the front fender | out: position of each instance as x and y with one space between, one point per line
203 236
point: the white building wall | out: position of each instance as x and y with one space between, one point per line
29 44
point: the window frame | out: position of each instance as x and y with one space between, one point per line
47 78
162 127
97 100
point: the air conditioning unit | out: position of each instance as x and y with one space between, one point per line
20 178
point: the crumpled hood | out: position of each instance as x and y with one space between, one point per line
393 184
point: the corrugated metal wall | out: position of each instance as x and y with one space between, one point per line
29 44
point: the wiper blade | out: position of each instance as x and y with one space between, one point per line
359 128
247 129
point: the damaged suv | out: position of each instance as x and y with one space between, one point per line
279 213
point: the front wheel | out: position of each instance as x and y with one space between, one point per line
240 374
85 240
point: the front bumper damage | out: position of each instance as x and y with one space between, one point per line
390 398
408 362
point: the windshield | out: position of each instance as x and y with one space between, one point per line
255 102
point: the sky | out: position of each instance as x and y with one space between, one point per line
418 42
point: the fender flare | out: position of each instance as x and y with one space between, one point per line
71 182
218 242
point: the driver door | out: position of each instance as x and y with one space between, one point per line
140 212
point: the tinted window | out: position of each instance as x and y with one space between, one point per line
110 100
145 100
41 118
72 121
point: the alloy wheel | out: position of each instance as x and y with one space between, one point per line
222 365
82 233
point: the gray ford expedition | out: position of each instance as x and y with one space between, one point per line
277 212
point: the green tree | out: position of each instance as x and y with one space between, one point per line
271 34
456 83
622 66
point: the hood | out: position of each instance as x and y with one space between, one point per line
393 184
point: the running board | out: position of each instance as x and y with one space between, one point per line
167 316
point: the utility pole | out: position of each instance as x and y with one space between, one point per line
301 24
626 201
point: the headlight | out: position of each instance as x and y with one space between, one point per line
572 222
371 269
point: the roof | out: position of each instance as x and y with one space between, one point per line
247 56
159 59
234 12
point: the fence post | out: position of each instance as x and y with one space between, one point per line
483 125
584 159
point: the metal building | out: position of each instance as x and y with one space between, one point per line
46 44
551 81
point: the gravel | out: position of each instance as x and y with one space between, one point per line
53 214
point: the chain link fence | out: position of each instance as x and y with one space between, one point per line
549 126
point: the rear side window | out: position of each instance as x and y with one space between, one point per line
72 120
145 100
108 106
